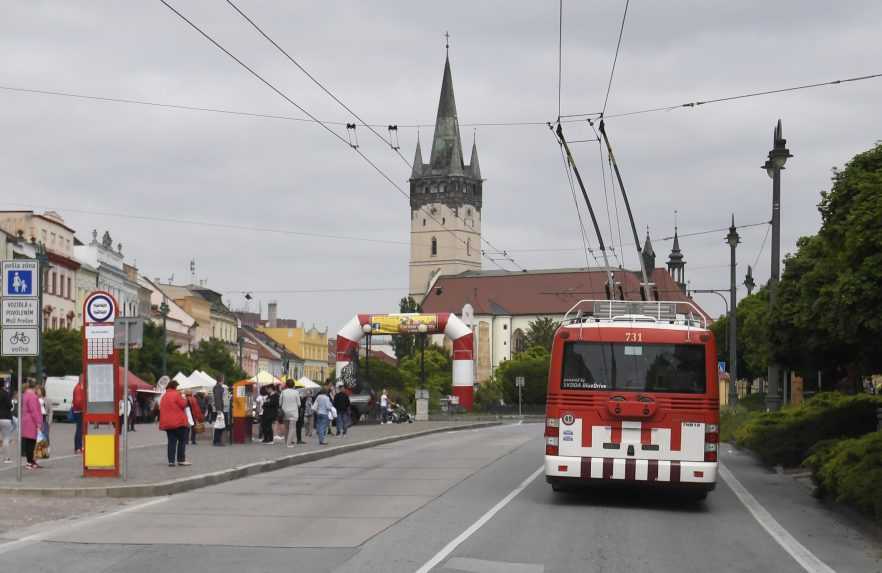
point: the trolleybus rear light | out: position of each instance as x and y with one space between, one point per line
561 468
552 422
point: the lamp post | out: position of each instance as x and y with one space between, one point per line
43 265
163 311
733 239
719 293
423 329
774 164
748 281
367 352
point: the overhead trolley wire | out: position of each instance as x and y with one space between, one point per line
612 71
303 110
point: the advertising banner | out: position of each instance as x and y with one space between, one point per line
403 323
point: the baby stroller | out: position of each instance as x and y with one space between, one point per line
399 415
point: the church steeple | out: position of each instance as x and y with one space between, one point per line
474 166
446 157
417 161
676 264
648 254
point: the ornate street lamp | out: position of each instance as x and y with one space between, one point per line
774 164
423 329
733 239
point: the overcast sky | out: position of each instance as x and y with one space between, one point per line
384 59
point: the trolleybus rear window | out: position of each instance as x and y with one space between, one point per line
634 367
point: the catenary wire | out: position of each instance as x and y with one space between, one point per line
302 110
612 71
582 230
350 110
762 246
559 55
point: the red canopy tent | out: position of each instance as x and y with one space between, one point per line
135 383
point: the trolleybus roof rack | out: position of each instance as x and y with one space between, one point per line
635 311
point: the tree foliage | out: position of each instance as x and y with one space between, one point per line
62 352
146 362
439 374
752 315
829 296
212 357
533 366
405 344
540 332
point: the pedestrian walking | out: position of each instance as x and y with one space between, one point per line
269 414
42 449
218 419
173 419
77 405
31 420
198 417
323 408
308 414
258 411
341 403
290 405
7 429
384 407
133 411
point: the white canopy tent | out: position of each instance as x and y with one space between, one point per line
264 378
198 380
305 382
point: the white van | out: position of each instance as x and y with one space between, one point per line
59 391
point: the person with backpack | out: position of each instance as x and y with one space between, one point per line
308 414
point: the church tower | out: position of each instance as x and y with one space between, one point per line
676 263
445 202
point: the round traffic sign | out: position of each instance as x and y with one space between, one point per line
100 307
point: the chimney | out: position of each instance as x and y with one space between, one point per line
272 310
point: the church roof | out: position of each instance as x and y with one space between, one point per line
446 154
474 166
417 161
551 291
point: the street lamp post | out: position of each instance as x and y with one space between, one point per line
423 329
43 265
163 311
367 329
774 164
733 239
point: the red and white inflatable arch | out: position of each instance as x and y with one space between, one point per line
441 323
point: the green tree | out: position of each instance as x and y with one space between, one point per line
752 315
829 296
212 357
439 374
383 375
540 332
533 366
405 344
62 352
146 362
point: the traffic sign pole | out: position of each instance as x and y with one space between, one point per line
18 441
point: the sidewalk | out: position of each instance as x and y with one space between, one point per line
150 475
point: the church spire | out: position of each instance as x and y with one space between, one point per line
676 264
417 160
474 166
648 254
446 154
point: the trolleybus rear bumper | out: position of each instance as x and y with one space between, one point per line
684 474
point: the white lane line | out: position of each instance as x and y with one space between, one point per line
797 550
42 535
450 547
483 566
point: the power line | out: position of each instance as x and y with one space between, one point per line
213 224
615 59
694 104
762 245
303 110
314 290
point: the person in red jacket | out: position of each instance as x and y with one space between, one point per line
173 419
77 406
196 412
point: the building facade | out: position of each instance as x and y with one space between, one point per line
112 275
446 197
193 305
59 279
311 345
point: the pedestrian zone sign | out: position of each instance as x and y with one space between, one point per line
20 278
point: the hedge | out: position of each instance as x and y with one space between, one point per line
786 437
850 471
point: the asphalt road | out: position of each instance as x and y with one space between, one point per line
461 501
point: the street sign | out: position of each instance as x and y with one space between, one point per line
135 327
100 308
21 278
20 312
21 341
519 382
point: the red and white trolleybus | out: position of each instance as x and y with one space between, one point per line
633 397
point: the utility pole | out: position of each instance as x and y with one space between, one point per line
773 166
733 239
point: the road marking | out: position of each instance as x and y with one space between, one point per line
484 566
797 550
450 547
41 535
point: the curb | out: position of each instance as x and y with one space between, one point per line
238 472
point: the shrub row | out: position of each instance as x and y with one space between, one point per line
788 436
850 471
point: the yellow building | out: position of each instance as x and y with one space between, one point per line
309 344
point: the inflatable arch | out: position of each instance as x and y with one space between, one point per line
441 323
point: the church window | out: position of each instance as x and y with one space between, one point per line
443 220
434 246
468 247
469 212
424 222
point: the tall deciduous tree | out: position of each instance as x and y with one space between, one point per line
405 344
212 356
533 366
540 332
62 352
830 296
752 314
